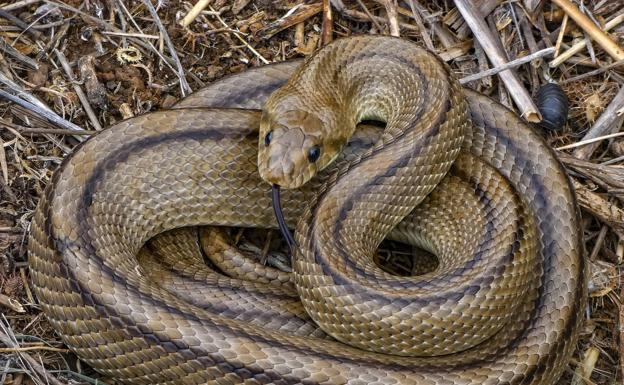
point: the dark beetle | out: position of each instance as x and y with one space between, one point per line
552 103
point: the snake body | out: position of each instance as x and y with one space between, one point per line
504 305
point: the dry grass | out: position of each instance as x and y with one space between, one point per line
129 70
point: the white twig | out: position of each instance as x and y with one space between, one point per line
511 64
589 141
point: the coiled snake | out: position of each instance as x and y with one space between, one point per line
503 307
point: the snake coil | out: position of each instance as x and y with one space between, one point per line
453 172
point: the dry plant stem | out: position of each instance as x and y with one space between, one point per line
584 370
20 24
194 12
606 212
105 25
19 4
184 86
328 23
34 117
33 348
532 5
51 116
252 49
527 32
606 123
578 46
589 141
562 29
81 95
302 13
11 303
508 65
29 62
592 30
54 131
485 8
593 73
513 84
599 242
3 164
370 16
29 295
393 22
421 26
357 15
31 362
446 37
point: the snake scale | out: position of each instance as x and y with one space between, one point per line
504 305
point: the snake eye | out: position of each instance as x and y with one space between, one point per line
268 137
314 153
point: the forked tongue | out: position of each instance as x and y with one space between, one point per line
281 222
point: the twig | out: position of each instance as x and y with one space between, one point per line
327 30
12 304
484 7
421 26
129 34
370 16
252 49
101 22
599 242
296 15
361 16
194 12
19 4
20 24
562 30
393 22
607 213
592 30
31 348
578 46
593 73
54 131
585 369
31 362
485 37
81 95
52 117
508 65
607 121
585 142
29 62
185 89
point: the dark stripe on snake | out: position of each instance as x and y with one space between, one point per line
486 278
109 311
361 191
64 246
535 181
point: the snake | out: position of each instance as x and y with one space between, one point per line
135 285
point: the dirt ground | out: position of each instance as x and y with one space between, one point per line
118 59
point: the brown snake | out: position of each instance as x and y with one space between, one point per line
503 307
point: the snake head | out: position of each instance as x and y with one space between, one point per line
294 145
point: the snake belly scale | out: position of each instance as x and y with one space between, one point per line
504 305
